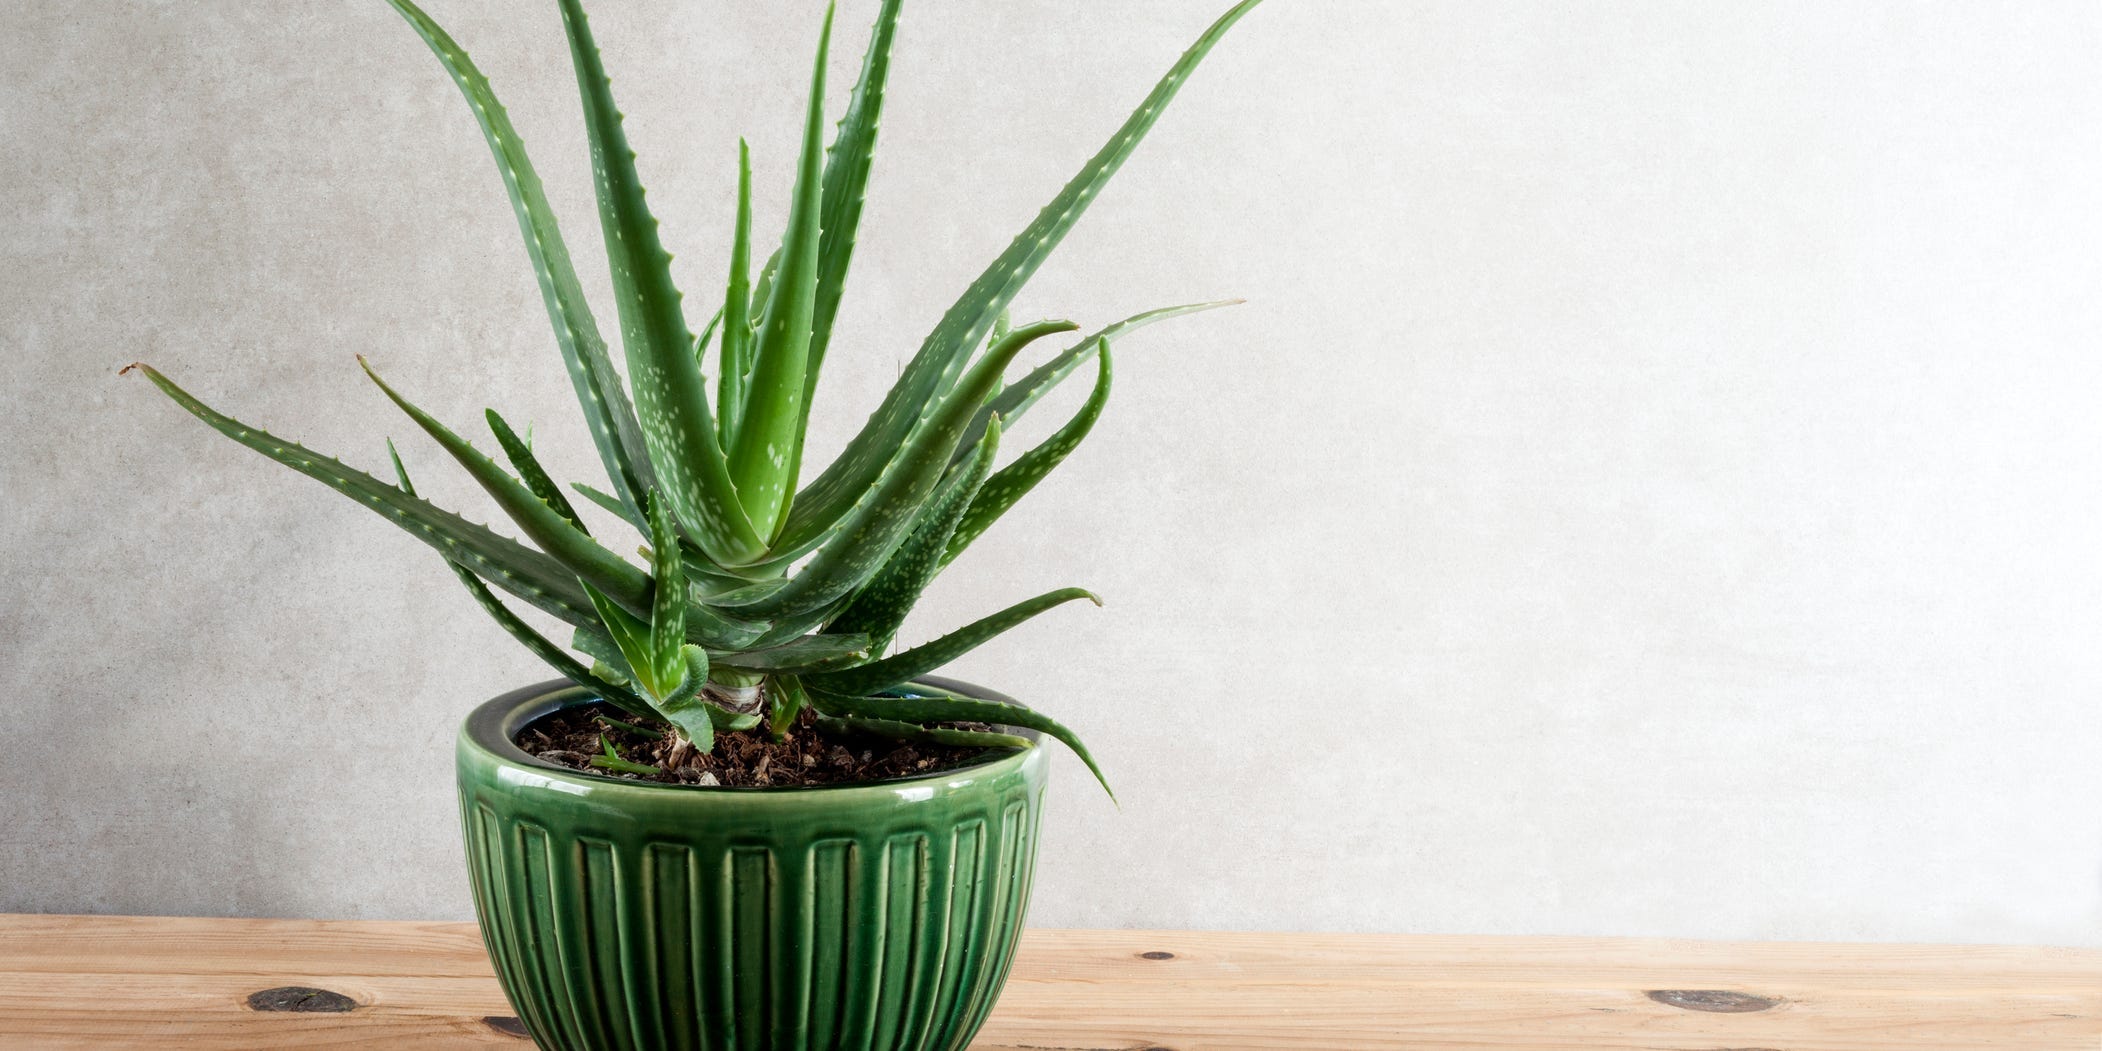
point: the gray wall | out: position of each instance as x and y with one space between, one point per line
1652 488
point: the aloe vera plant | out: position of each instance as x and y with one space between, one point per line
752 598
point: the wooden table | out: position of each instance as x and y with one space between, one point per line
103 982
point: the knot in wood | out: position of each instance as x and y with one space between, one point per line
508 1025
300 998
1718 1001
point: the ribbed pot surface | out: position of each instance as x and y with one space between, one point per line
877 917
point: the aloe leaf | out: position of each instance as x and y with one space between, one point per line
667 593
1003 323
881 604
807 653
736 360
539 645
672 688
789 701
531 575
898 731
685 708
607 413
677 426
711 578
530 472
705 625
768 451
700 345
879 521
609 502
951 708
631 640
609 758
763 287
997 357
632 637
1018 396
709 628
942 356
699 570
847 165
1014 481
789 627
639 731
904 666
593 642
583 555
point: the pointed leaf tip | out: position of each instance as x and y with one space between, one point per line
944 353
543 524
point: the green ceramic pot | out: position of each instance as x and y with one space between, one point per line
878 916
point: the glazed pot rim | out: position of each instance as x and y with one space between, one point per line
490 727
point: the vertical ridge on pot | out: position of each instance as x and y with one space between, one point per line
675 938
833 862
1005 917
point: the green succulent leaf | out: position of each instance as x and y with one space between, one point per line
808 653
529 470
671 686
711 578
700 345
593 642
944 707
847 166
897 731
880 520
708 627
789 701
685 708
609 758
631 639
732 722
789 627
607 501
592 563
768 451
763 288
667 593
666 677
1014 481
539 645
1016 398
879 608
902 667
510 565
677 427
973 390
942 356
607 413
703 625
639 731
735 364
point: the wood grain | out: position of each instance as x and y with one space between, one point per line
101 982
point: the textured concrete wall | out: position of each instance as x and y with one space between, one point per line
1652 488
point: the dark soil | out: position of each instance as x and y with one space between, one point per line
744 759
